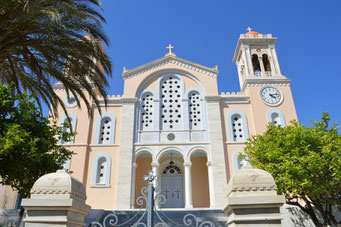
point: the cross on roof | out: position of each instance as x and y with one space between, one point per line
249 29
170 47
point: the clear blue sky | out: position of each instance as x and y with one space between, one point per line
206 32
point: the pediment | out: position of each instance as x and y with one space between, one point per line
172 60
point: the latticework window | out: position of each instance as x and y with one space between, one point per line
147 111
105 130
171 103
101 169
195 116
237 128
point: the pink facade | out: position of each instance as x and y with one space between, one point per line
171 119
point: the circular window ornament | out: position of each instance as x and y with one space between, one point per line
170 136
70 101
271 96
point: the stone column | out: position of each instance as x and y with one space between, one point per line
218 167
248 57
132 195
125 162
275 60
155 168
188 185
262 68
210 184
57 199
156 118
185 119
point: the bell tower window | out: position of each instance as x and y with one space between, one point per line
256 65
266 64
171 114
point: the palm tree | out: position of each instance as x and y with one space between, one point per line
45 41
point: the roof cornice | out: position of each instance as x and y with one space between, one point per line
167 60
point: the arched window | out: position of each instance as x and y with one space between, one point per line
101 170
238 163
238 130
105 129
276 117
195 110
256 65
67 128
146 119
266 63
171 114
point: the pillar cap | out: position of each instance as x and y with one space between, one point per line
250 180
59 184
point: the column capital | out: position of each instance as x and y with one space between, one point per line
187 164
208 164
155 164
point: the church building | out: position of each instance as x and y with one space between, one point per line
172 120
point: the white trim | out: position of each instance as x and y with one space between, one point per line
280 114
104 145
197 149
95 169
146 91
244 121
112 129
168 149
73 126
66 101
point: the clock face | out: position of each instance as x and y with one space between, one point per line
271 95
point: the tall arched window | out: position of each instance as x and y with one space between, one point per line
146 118
256 65
105 129
237 124
67 128
171 114
101 170
195 110
266 63
276 117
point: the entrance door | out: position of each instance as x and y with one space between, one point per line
172 188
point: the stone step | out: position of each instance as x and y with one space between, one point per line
170 217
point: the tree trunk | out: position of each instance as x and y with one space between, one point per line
21 214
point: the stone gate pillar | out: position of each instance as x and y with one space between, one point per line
252 199
57 199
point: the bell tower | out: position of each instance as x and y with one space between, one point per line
256 59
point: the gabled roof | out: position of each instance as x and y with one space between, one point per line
170 59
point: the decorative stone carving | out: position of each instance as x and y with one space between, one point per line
252 199
57 199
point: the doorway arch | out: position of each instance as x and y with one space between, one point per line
172 179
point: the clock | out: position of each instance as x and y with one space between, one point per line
271 95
